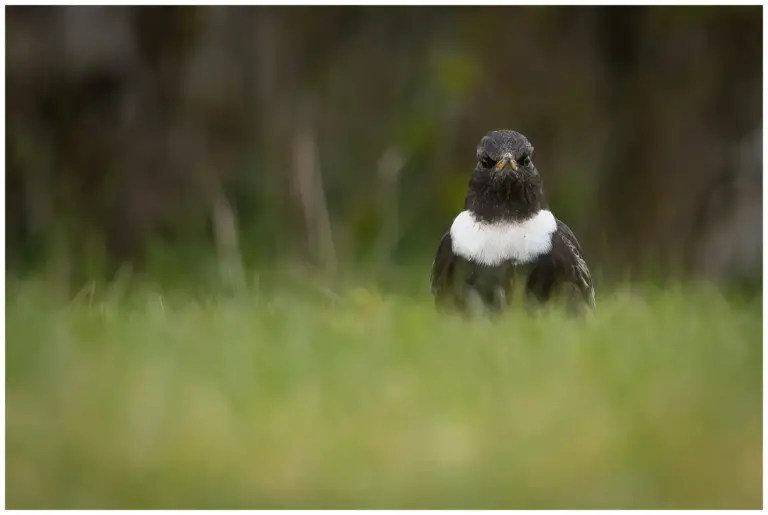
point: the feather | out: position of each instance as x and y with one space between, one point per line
442 266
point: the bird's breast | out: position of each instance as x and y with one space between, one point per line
496 243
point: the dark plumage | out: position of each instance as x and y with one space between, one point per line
506 227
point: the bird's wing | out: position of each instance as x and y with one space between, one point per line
566 233
443 266
575 266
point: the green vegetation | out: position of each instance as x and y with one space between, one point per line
303 397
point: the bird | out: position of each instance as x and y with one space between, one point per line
507 228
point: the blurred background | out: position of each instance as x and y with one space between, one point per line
157 156
162 139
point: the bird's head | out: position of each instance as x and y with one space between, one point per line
506 154
505 183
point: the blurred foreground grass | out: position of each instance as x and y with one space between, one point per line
365 400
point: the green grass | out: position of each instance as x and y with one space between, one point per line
360 399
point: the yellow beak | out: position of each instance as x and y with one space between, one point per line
507 158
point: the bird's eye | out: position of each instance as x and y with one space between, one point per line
488 162
525 160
